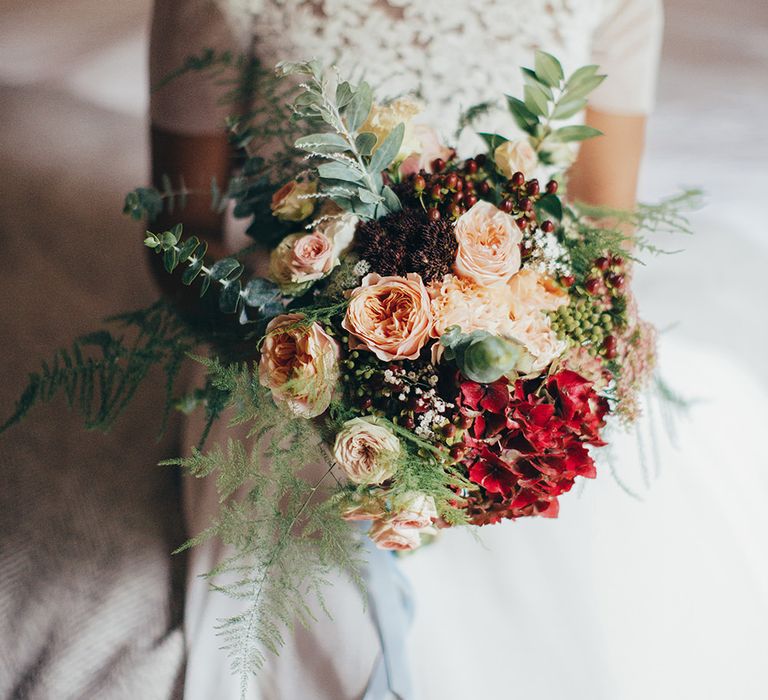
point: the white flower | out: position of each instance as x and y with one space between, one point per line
366 450
340 230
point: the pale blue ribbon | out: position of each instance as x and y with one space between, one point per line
391 603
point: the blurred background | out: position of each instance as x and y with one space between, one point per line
73 100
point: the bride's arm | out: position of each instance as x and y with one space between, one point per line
606 170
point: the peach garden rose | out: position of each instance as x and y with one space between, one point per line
299 364
390 316
387 535
489 245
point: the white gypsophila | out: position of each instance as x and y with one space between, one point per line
361 268
549 257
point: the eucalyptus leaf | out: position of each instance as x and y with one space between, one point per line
223 268
359 107
229 297
170 259
260 291
388 150
548 69
205 285
151 241
578 132
192 272
187 248
535 100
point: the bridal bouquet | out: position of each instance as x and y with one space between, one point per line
448 335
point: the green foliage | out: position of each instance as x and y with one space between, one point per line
353 161
101 371
284 533
591 231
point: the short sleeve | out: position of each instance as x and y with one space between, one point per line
627 47
189 104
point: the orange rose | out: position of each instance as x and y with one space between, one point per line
489 245
299 363
532 292
390 316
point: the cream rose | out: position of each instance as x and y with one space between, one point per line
291 203
489 245
299 364
300 258
514 156
414 510
366 451
367 507
534 331
387 535
383 118
390 316
430 149
340 230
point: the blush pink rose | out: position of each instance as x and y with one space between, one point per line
301 258
366 451
299 364
489 245
390 316
387 535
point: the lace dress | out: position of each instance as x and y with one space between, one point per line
453 54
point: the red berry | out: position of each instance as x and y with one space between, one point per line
456 211
366 404
525 204
464 422
436 192
470 166
470 200
460 185
481 159
567 280
616 281
533 187
522 222
592 285
419 183
434 214
457 451
547 227
517 179
409 423
551 187
450 180
469 186
602 263
609 347
438 165
449 430
617 260
483 187
506 205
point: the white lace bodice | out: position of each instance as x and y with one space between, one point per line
452 53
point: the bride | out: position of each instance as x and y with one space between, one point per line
474 635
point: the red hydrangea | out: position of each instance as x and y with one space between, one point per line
527 442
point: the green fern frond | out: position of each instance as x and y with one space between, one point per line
101 371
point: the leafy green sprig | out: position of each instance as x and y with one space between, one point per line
352 173
550 97
259 294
